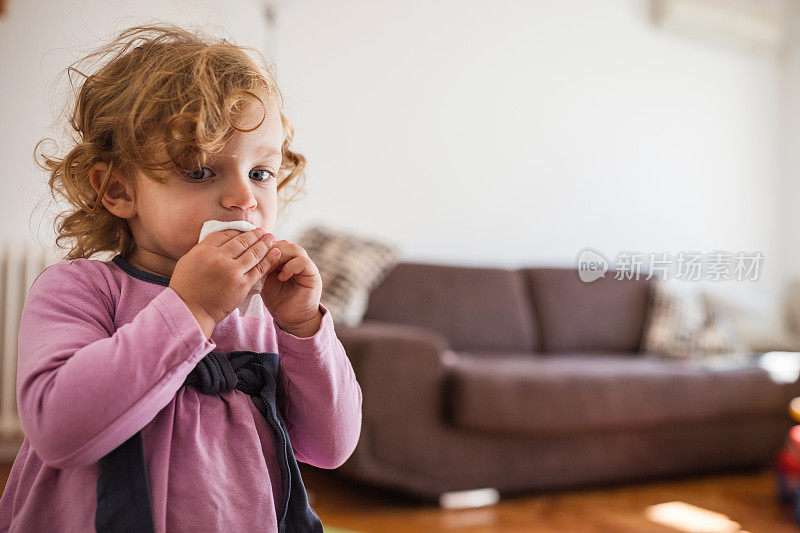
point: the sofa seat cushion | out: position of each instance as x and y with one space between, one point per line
578 392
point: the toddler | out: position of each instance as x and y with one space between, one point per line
150 401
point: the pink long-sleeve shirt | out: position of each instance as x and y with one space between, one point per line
104 349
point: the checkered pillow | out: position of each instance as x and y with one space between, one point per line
350 267
686 326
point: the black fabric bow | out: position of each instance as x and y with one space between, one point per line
123 495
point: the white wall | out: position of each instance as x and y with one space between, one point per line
790 186
522 132
510 133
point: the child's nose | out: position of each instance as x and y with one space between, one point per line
240 194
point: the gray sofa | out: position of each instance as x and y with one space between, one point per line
530 379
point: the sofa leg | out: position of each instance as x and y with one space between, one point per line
463 499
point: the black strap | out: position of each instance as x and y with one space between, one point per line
123 495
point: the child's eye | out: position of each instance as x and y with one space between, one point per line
262 177
255 174
196 175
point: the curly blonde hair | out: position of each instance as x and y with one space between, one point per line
163 90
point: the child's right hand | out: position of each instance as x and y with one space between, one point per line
217 273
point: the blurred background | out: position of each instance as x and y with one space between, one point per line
495 135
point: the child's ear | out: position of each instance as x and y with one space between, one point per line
118 197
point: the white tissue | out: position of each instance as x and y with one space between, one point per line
210 226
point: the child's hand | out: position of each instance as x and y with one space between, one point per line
292 290
216 274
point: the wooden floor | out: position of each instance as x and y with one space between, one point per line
747 499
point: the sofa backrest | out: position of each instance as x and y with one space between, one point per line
474 308
607 314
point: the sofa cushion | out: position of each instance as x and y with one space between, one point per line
474 308
350 265
686 323
581 392
603 315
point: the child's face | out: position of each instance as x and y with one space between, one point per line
239 183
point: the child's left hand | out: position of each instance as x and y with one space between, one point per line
292 290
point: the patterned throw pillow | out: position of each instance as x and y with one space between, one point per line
689 326
350 267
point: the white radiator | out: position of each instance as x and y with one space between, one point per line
21 263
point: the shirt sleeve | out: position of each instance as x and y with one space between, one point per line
323 398
82 387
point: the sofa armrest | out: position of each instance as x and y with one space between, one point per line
400 369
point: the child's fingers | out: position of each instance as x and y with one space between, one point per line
241 243
218 238
267 261
288 250
293 267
